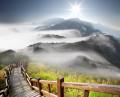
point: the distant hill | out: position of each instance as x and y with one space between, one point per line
53 21
52 36
98 47
107 30
10 56
7 57
105 45
118 39
85 28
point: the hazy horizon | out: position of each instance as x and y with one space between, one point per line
105 12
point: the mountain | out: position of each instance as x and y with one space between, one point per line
101 51
7 57
52 36
105 45
107 30
84 28
53 21
41 27
118 39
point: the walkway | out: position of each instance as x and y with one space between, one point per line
19 86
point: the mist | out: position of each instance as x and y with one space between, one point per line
67 61
20 36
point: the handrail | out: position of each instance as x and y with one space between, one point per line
48 82
47 93
110 89
7 74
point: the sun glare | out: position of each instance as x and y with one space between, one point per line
76 8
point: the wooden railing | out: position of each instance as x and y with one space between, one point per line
5 92
110 89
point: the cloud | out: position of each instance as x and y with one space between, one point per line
20 36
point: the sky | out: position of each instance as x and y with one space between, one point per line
106 12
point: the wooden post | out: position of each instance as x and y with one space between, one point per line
36 83
59 86
7 89
49 88
21 69
10 68
5 73
9 71
31 82
86 93
3 94
39 86
25 75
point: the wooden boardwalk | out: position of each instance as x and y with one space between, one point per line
19 86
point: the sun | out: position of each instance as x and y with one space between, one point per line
76 8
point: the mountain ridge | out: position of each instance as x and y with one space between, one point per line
85 28
104 45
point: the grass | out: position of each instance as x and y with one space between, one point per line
2 79
49 73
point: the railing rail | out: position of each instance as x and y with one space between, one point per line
110 89
7 74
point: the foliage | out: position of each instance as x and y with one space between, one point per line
2 79
2 66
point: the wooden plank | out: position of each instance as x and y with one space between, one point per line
2 92
28 82
48 94
17 88
110 89
34 80
23 69
26 94
35 88
49 82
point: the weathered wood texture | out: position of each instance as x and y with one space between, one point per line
19 86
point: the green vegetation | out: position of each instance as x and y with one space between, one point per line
49 73
2 66
2 79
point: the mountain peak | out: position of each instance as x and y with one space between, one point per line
74 19
53 21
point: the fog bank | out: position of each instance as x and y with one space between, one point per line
20 36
